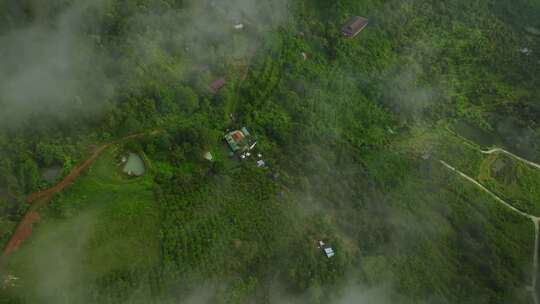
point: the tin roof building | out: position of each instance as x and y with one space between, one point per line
216 85
329 252
354 26
238 140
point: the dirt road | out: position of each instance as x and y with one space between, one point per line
69 179
41 198
76 172
23 231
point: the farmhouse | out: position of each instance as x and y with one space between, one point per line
354 26
238 140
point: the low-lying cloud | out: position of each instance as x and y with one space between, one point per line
49 69
67 65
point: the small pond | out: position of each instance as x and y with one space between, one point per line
134 165
51 174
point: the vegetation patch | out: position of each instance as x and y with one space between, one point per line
104 225
514 181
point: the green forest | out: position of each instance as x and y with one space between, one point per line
410 150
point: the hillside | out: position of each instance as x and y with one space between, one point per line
365 142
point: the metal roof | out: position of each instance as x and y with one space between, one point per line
216 85
329 252
354 26
237 136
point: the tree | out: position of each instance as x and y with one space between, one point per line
217 166
49 153
187 99
131 125
29 175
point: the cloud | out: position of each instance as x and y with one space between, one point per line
50 70
70 64
54 273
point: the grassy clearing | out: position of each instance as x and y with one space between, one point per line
103 225
514 181
510 179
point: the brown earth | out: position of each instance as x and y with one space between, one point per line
69 179
23 231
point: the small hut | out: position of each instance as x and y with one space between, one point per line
354 26
327 250
208 156
216 85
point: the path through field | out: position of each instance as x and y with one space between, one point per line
41 198
534 219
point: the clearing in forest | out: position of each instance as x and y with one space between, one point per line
514 181
105 223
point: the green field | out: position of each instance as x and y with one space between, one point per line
514 181
105 225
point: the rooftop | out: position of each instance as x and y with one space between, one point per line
237 139
329 252
354 26
216 85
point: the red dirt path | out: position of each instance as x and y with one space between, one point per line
69 179
41 198
24 231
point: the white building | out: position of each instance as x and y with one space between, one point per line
329 252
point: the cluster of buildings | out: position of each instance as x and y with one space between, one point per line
242 144
240 141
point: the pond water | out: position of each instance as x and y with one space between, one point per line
6 196
51 174
134 165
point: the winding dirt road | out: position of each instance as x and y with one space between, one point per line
534 219
41 198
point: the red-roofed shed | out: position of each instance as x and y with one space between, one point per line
216 85
354 26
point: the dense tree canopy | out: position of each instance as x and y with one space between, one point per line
351 132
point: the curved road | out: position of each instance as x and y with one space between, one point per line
534 219
499 150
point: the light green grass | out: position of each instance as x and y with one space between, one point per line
102 226
516 182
